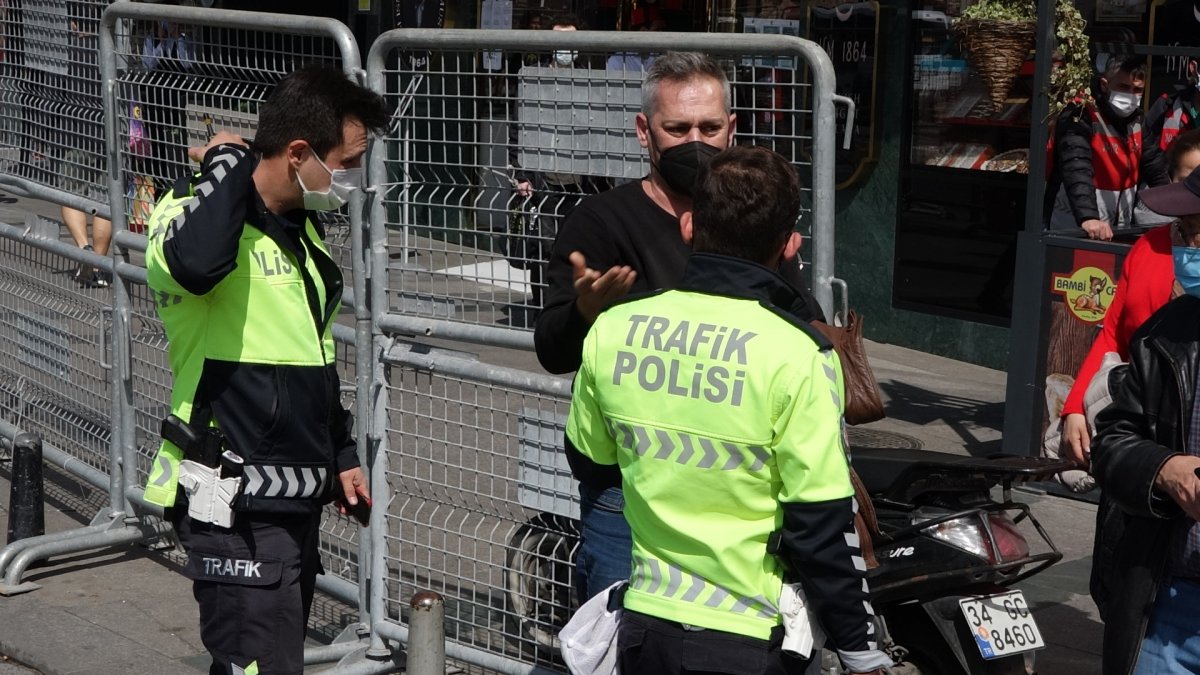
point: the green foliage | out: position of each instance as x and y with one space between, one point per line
1002 10
1073 78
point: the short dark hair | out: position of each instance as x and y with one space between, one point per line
312 104
746 203
1132 64
1182 145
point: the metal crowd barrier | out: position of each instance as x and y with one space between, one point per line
485 504
460 429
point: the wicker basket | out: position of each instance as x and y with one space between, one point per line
996 49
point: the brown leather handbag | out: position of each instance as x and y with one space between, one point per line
864 402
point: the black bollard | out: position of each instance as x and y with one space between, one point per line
26 515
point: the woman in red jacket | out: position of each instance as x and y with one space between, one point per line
1147 282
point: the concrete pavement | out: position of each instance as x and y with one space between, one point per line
128 610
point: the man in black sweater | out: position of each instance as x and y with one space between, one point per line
628 240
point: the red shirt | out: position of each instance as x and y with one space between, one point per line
1147 278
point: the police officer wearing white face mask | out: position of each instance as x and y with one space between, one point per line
247 292
1098 156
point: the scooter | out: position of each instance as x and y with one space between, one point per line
947 553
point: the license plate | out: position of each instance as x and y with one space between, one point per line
1002 624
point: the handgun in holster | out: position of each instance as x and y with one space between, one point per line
210 473
203 447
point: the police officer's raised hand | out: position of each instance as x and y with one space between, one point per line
1097 229
221 137
595 291
1177 478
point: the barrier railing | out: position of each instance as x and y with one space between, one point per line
460 429
472 441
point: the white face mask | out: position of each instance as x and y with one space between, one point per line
342 184
1124 104
565 57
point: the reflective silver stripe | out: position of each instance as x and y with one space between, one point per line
710 454
164 467
674 579
831 373
735 457
274 486
664 439
655 576
643 440
718 596
657 443
766 609
761 455
685 456
694 591
648 577
299 482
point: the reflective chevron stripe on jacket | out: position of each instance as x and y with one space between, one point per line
285 481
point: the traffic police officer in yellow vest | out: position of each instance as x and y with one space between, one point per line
724 413
257 436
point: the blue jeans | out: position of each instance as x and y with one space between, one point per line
605 553
1172 642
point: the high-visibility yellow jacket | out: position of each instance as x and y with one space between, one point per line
724 413
248 299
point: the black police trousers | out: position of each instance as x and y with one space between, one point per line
254 583
647 645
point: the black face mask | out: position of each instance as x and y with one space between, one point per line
680 165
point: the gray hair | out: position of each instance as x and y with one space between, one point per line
681 67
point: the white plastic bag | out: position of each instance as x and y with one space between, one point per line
589 640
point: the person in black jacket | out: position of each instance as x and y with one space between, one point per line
1146 563
628 240
1099 157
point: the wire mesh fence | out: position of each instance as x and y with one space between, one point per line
492 150
495 139
472 490
178 83
51 121
52 381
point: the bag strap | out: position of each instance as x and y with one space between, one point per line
865 520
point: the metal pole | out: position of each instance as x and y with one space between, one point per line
123 467
26 506
375 423
455 330
426 649
1022 392
361 271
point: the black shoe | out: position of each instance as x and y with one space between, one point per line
84 274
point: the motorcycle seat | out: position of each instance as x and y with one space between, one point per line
880 467
903 473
